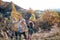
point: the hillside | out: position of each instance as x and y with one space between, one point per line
6 11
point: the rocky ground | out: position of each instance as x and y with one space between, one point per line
54 34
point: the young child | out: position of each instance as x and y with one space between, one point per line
30 30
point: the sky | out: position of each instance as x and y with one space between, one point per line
37 4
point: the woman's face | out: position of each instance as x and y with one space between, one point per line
20 17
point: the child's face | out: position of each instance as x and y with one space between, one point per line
13 18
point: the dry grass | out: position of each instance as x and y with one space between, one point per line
53 35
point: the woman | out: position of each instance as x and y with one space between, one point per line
23 27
